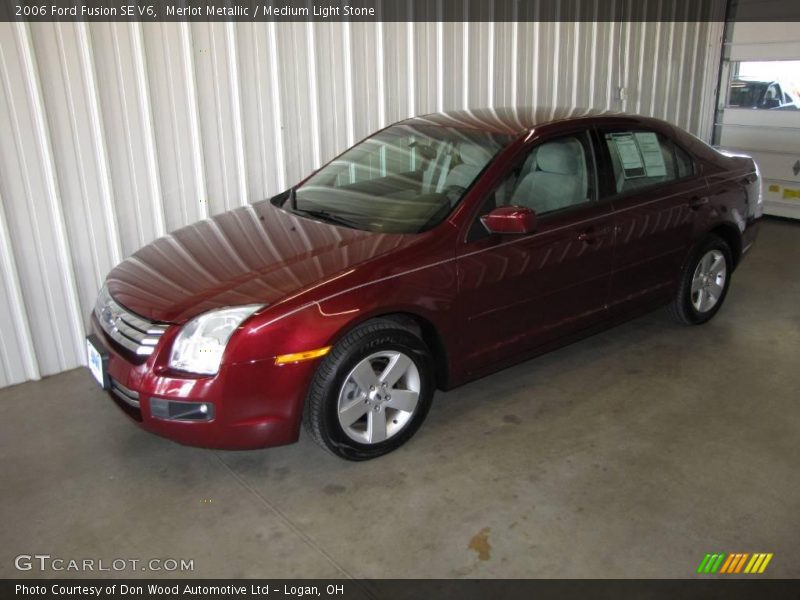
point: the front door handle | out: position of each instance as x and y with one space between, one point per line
591 235
698 202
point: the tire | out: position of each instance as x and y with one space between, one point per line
703 286
375 353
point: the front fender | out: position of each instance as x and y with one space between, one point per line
428 293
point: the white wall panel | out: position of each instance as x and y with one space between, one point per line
122 101
261 109
217 79
175 116
505 53
425 58
78 161
17 356
300 123
478 45
331 90
33 208
115 133
454 61
368 94
398 69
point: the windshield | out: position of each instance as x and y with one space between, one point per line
404 179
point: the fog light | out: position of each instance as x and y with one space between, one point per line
178 410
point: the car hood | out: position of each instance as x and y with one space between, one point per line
255 254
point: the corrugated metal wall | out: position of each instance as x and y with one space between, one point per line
115 133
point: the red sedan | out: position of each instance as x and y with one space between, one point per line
436 251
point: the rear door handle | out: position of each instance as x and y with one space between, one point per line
591 235
697 202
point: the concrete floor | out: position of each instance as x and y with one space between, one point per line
630 454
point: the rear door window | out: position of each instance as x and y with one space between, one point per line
640 159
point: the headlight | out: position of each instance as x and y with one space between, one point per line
201 342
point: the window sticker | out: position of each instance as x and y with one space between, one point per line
650 150
628 151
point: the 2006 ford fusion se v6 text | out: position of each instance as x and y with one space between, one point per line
438 250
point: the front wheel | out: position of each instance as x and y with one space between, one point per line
704 282
371 392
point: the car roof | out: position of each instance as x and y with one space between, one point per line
752 80
517 119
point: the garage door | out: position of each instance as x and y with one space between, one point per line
760 114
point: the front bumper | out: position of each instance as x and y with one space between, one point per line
254 404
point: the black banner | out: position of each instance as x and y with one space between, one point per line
401 589
396 10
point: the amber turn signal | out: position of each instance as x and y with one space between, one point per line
285 359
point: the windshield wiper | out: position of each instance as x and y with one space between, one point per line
324 215
292 198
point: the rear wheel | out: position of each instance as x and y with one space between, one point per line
371 392
704 282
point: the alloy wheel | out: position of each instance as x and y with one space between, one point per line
708 282
379 397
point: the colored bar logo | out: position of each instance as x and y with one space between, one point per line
738 562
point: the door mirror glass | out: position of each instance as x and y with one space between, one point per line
510 219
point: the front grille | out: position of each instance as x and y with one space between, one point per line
129 330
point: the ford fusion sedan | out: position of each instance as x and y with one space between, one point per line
438 250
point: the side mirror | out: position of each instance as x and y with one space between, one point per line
510 219
772 103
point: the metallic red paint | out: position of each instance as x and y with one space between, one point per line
481 304
510 219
